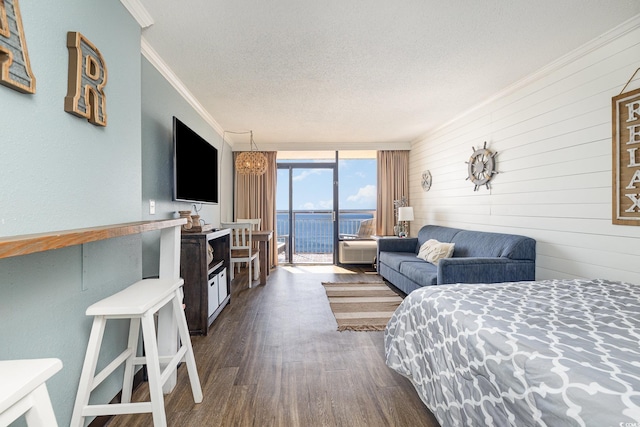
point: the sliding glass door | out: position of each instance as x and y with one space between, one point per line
315 212
306 215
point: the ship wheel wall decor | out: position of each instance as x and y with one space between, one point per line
481 166
426 180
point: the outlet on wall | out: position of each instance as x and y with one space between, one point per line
152 207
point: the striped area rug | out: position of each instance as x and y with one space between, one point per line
361 306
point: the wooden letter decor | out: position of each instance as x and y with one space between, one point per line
15 69
626 158
87 78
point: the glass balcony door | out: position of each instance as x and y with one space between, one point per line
306 212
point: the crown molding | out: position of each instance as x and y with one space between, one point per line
626 27
139 13
323 146
164 69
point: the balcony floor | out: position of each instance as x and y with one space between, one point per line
307 258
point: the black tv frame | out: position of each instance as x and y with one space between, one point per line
195 166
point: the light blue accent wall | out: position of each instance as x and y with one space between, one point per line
160 102
58 171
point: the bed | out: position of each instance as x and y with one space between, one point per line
546 353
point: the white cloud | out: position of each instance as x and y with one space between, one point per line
308 172
324 205
365 195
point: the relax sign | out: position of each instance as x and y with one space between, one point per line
626 158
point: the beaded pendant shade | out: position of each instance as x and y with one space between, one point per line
251 162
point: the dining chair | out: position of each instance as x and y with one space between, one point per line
242 249
253 221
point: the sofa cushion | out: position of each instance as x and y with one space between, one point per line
486 245
433 251
439 233
394 259
423 273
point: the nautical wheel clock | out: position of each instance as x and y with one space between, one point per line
426 180
482 166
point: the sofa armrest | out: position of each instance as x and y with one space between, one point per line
484 270
399 244
395 244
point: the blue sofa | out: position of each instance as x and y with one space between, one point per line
478 257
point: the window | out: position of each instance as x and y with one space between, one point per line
308 203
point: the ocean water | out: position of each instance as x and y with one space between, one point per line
314 231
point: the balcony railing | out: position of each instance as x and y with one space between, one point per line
313 231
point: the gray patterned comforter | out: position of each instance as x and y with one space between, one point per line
547 353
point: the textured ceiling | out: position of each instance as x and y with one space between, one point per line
312 72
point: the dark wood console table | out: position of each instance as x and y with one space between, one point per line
207 287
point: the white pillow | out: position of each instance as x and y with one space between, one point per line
433 251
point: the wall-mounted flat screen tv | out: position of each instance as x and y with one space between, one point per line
195 166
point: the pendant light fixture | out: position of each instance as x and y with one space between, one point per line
251 162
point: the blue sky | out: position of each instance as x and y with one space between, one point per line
312 187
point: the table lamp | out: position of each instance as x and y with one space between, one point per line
405 214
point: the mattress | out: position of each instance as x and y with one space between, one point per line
545 353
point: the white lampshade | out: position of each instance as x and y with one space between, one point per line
405 213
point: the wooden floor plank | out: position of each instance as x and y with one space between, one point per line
274 357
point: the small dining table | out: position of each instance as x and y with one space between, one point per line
263 237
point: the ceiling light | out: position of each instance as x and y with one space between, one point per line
251 162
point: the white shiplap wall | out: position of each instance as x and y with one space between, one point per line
552 132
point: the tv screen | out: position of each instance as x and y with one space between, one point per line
195 166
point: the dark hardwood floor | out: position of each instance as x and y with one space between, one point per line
274 358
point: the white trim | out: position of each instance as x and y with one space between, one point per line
322 146
139 13
175 81
606 38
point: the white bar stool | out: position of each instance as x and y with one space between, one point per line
139 302
23 391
